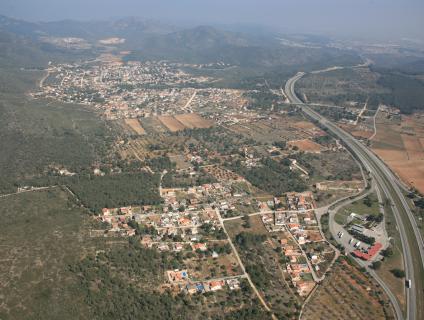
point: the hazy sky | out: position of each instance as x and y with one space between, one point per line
390 18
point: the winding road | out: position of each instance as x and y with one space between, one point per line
412 243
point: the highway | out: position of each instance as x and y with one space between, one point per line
412 242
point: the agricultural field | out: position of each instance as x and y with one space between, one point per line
193 120
171 123
399 143
134 124
277 128
347 293
184 121
153 125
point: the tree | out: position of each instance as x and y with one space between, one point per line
246 221
367 201
376 265
398 273
387 252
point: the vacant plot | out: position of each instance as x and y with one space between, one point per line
135 125
208 268
171 123
346 293
362 134
180 161
306 145
193 120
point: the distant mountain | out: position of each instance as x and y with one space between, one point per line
18 51
207 44
150 40
205 37
88 30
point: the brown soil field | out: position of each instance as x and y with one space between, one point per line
403 152
304 125
306 145
413 147
183 121
171 123
135 125
193 120
391 155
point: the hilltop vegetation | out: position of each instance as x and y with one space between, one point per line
41 234
406 92
37 134
252 57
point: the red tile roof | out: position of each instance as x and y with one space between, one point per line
372 251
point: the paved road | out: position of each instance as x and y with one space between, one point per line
412 242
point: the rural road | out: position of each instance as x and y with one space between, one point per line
252 285
412 242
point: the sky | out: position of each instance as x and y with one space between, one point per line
383 19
